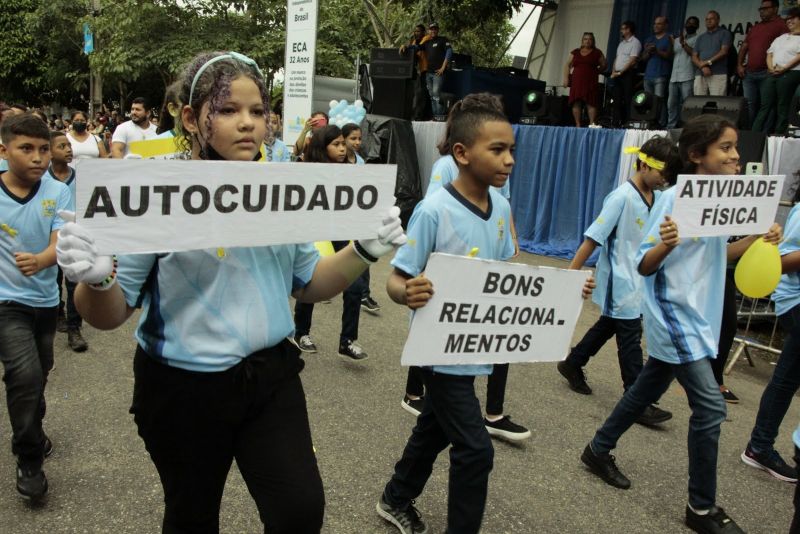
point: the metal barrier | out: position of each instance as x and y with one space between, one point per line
759 309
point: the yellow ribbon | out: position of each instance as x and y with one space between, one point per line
651 162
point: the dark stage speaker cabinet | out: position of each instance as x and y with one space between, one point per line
733 108
392 76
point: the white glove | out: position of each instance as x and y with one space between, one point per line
390 235
77 254
131 155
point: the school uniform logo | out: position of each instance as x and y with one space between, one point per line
501 228
640 223
48 208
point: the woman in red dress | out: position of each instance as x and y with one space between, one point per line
585 63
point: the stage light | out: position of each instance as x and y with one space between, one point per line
645 111
534 101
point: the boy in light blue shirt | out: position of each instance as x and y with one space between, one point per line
28 297
498 423
59 170
464 215
455 219
777 397
618 230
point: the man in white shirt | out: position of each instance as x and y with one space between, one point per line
624 71
138 128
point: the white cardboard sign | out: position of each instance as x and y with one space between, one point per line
298 70
494 312
707 206
137 206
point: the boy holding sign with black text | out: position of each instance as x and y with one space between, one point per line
619 230
465 217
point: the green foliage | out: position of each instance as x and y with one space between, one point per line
141 45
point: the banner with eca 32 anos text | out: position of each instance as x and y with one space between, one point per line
707 206
138 206
486 311
298 69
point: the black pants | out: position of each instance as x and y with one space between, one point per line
795 528
728 329
629 346
351 306
195 424
74 319
26 351
451 415
422 100
495 387
623 94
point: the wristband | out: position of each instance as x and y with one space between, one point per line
368 258
109 281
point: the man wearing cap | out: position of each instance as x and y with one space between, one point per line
437 54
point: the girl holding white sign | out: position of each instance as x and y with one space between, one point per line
682 317
215 377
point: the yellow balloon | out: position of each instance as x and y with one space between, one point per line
759 270
325 248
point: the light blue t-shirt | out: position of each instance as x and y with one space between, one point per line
206 310
787 295
26 227
278 152
360 160
445 170
619 230
69 182
683 298
3 165
447 222
796 436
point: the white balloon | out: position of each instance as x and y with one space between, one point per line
358 104
332 104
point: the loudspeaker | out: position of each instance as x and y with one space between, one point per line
390 63
733 108
541 108
393 97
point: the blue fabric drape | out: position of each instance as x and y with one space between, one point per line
643 13
560 179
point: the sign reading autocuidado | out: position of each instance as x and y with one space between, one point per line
136 206
494 312
298 69
707 206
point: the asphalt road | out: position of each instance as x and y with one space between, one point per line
101 479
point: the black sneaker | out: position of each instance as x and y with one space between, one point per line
31 482
48 447
61 322
653 415
770 462
408 521
575 377
413 406
305 344
76 342
605 466
714 522
348 350
505 428
369 305
728 395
